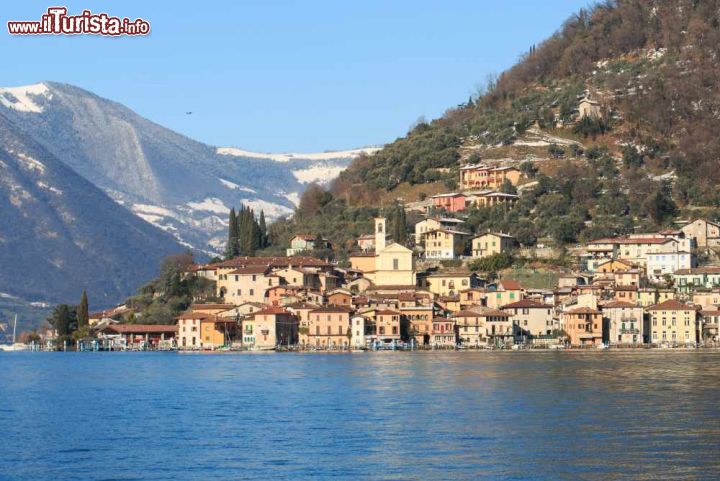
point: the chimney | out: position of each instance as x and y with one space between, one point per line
379 234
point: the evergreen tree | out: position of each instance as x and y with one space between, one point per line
83 314
402 225
263 230
232 249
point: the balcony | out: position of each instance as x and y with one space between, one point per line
629 331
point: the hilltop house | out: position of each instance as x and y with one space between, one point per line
303 242
451 202
482 176
705 233
589 108
444 243
434 223
492 243
489 198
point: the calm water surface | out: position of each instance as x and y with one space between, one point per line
444 416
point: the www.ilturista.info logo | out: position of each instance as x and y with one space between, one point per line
57 22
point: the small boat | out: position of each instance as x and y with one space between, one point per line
15 346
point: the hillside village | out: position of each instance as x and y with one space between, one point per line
592 160
639 290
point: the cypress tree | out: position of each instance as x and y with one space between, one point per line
83 314
232 248
263 230
402 225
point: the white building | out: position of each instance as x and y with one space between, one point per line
659 264
357 327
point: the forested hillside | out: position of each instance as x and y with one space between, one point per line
652 66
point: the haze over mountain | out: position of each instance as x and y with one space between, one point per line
83 178
62 234
182 186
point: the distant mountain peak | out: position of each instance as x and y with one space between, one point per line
25 98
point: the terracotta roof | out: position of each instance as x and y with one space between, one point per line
270 311
279 261
451 274
583 310
306 237
301 305
495 313
468 313
387 312
619 305
193 315
328 309
699 270
633 240
200 307
140 328
250 270
527 304
510 285
671 305
626 288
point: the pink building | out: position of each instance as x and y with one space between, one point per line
452 202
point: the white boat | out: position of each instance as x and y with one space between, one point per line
15 346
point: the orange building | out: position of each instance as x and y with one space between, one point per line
328 327
487 177
584 326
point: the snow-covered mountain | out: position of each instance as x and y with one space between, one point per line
182 186
60 233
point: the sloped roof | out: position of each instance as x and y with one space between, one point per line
671 305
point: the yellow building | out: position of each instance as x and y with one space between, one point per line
394 264
246 284
435 223
709 300
507 292
673 323
444 243
492 243
200 330
448 283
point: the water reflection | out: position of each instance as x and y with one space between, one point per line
443 415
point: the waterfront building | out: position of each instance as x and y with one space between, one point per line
532 318
583 326
673 323
624 322
328 327
470 328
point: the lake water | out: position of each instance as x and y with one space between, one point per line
647 415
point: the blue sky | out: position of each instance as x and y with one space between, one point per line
278 76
